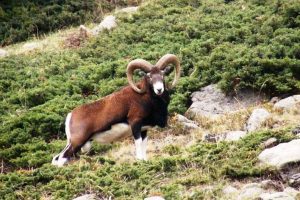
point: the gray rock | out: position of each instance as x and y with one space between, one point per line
288 103
294 180
210 137
291 191
30 46
154 198
185 122
257 118
212 102
271 142
276 196
3 53
250 191
282 154
87 197
129 10
296 131
109 22
234 135
229 190
83 32
228 136
274 100
271 185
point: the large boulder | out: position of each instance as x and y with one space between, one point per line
288 103
282 154
257 118
211 102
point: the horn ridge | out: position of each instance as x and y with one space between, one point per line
137 64
163 62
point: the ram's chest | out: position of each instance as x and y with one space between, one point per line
117 132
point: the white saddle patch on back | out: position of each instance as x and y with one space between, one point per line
86 147
117 132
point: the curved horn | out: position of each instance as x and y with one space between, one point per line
137 64
167 59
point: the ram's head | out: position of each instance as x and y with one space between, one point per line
155 73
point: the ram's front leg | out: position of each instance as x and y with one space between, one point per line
144 144
136 127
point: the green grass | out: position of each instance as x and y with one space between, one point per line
238 45
191 169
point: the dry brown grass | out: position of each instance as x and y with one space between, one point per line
160 139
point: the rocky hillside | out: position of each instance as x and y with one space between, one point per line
231 141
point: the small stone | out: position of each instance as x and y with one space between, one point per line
129 10
234 135
3 53
296 131
271 142
291 191
271 185
87 197
185 122
282 154
154 198
274 100
210 137
276 195
250 191
294 180
288 103
83 32
31 46
109 22
257 118
229 190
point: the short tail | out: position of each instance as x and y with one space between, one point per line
67 128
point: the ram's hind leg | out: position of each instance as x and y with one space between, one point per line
60 159
69 151
74 142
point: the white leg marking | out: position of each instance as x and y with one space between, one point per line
144 148
138 149
86 147
58 160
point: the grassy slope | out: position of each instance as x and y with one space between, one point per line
186 173
217 42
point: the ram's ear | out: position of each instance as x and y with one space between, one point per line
167 70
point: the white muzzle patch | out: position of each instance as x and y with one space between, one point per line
158 87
